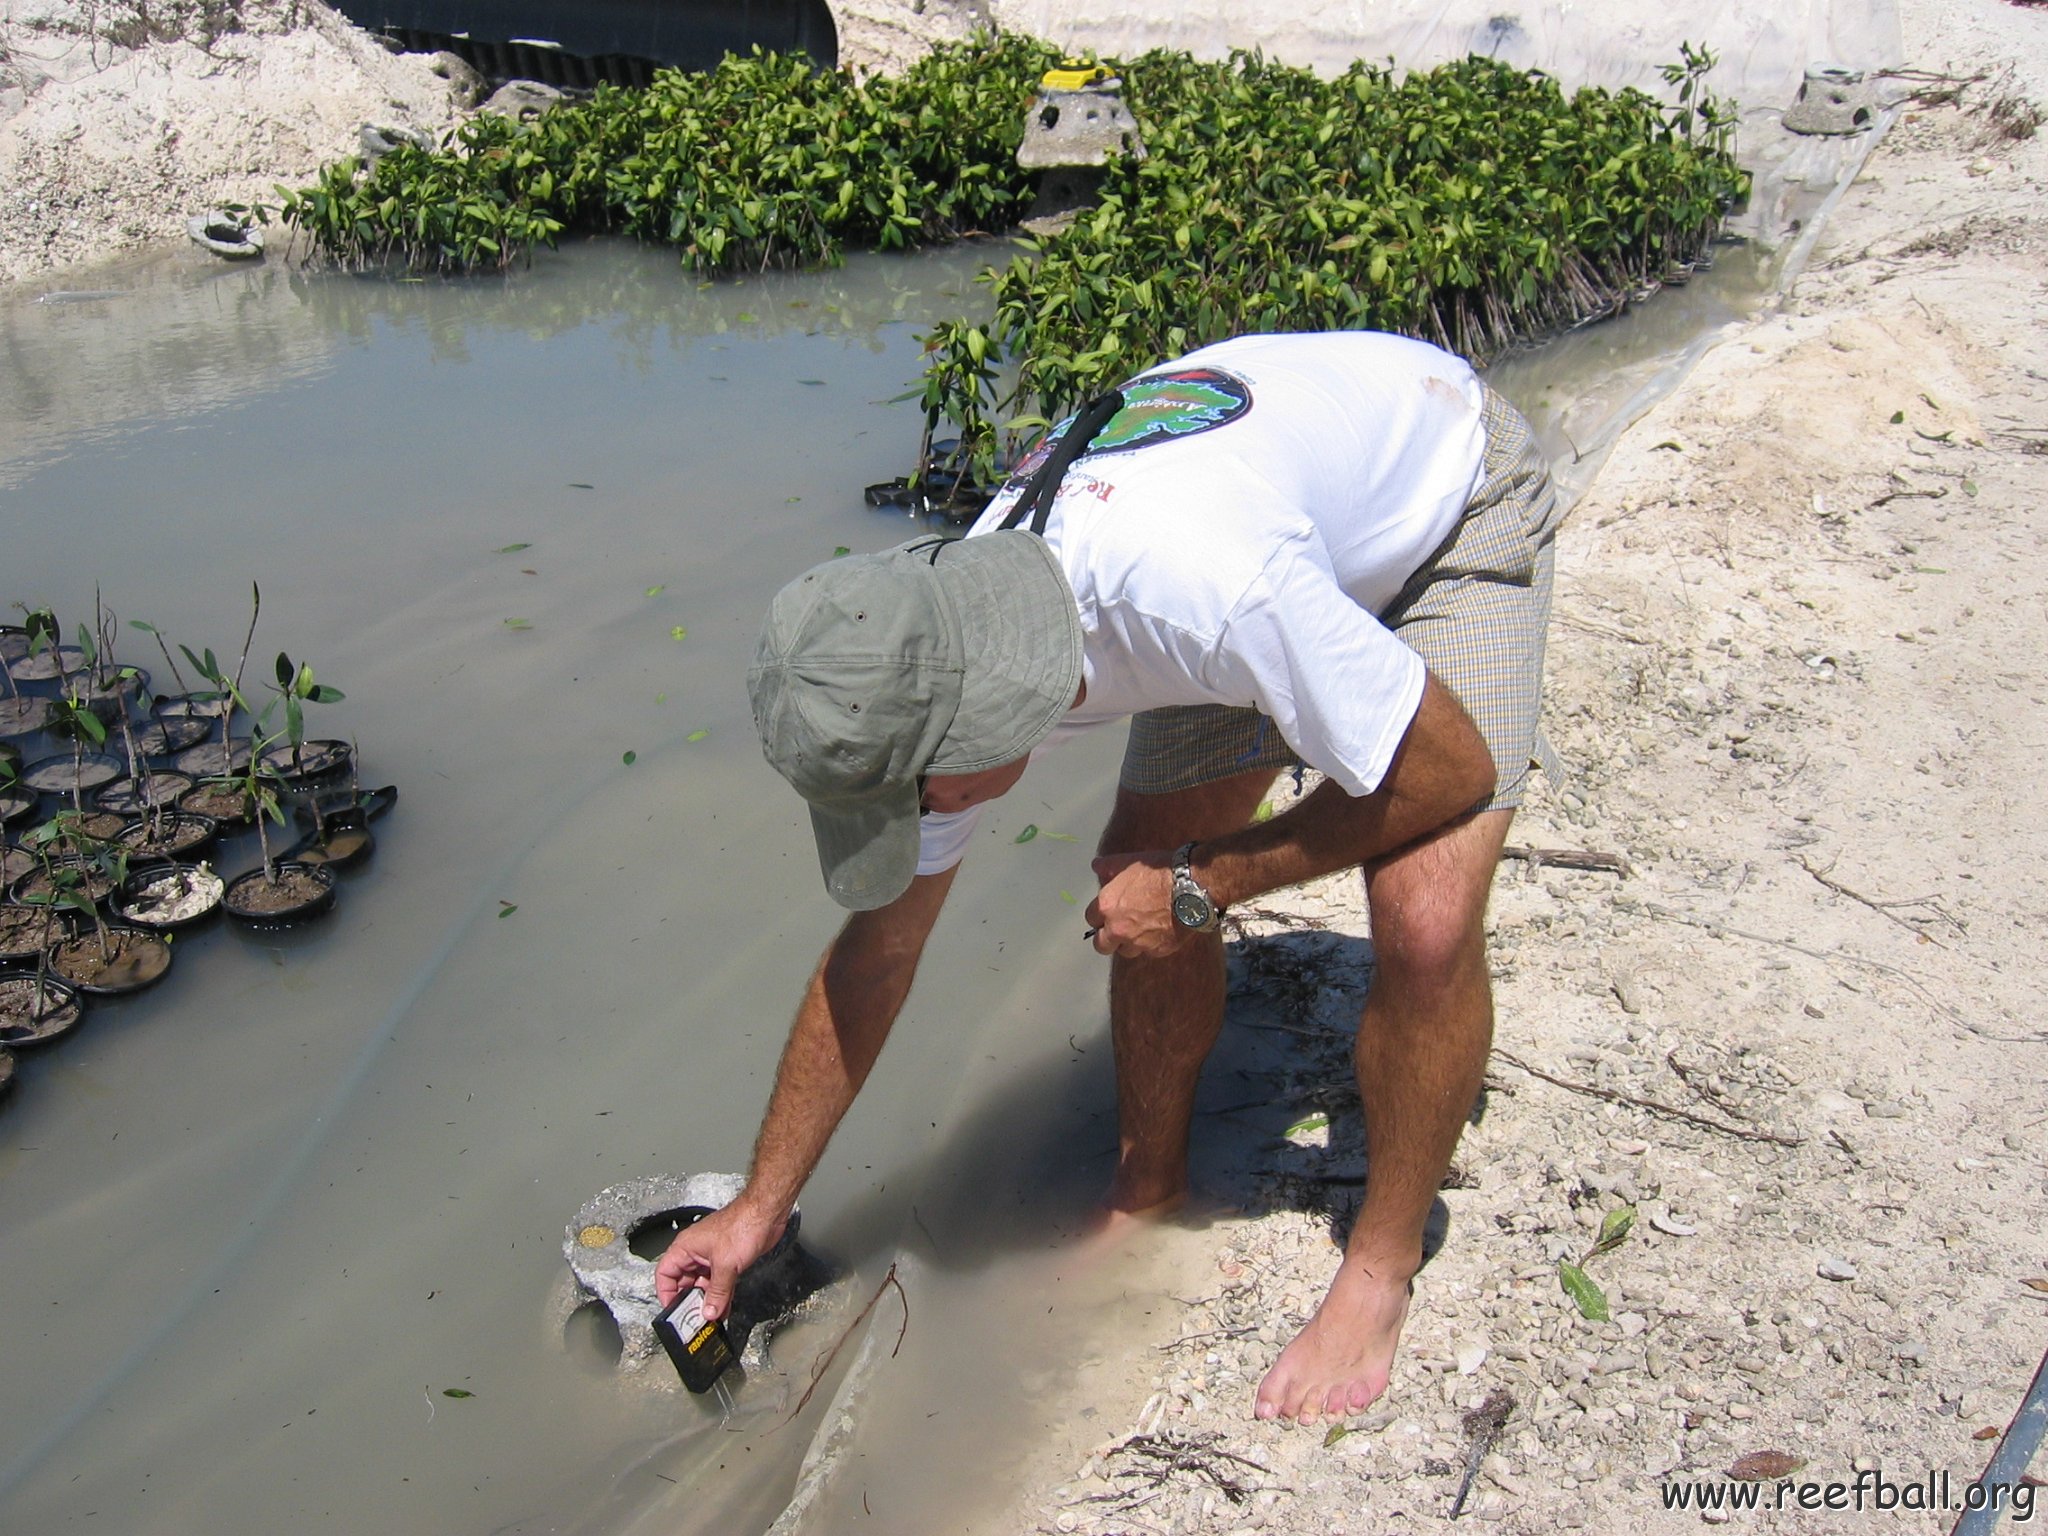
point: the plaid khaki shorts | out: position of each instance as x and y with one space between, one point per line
1475 613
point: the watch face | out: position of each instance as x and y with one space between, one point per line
1192 910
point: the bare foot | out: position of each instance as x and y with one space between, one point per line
1339 1363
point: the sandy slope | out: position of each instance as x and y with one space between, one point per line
1797 671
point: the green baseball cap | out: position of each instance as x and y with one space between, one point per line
939 656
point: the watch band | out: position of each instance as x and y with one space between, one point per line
1193 907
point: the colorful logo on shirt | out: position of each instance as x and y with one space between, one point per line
1160 407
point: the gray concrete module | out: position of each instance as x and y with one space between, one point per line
1079 128
598 1246
1832 100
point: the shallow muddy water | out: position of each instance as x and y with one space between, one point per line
256 1223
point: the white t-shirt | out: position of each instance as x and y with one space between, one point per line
1236 528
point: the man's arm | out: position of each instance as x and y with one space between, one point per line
1441 770
846 1014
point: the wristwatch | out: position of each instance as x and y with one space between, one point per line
1192 908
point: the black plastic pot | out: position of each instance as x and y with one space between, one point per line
347 808
214 797
26 932
168 737
125 796
141 959
24 716
14 863
344 847
35 1014
97 885
246 896
16 805
43 668
315 765
203 760
169 898
183 835
88 770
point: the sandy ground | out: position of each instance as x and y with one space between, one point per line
1797 674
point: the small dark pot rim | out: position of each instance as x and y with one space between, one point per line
83 761
208 826
312 907
122 989
154 773
154 872
20 956
73 998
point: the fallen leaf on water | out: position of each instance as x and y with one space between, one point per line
1030 831
506 908
1765 1466
679 633
661 698
455 1392
509 549
656 591
696 735
1068 898
581 485
630 759
841 550
745 318
1060 837
519 623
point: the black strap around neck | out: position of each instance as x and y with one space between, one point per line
1037 496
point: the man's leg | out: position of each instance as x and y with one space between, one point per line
1421 1054
1165 1014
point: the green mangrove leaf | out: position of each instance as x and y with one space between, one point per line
1030 831
697 735
1586 1296
630 758
1614 1230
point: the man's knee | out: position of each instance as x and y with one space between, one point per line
1428 903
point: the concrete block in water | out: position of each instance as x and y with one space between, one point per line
606 1270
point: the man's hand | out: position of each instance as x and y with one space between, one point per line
1133 912
712 1253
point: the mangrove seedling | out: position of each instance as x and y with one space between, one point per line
296 687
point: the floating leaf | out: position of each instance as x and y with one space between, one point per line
790 501
813 382
630 759
581 485
1060 837
1030 831
1068 898
1614 1229
455 1392
1315 1122
841 550
696 735
1337 1432
510 549
657 589
1586 1296
506 908
679 633
1764 1466
746 319
661 698
519 623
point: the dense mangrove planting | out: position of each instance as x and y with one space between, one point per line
1474 205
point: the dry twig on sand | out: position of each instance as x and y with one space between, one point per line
1672 1111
